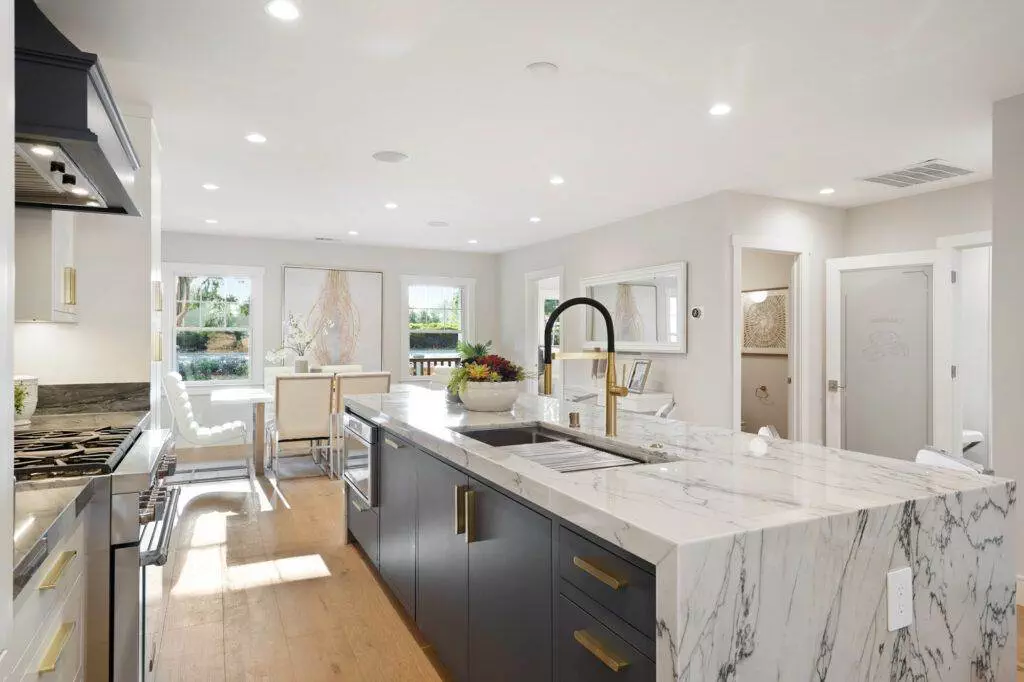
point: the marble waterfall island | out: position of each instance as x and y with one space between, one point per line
771 557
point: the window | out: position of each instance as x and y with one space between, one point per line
437 314
213 317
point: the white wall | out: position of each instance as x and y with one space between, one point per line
110 342
273 254
765 270
699 232
914 223
1007 284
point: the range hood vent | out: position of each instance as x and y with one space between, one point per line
72 149
931 170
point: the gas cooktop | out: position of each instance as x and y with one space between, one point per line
54 454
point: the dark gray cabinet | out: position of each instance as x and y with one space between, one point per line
397 513
363 525
442 571
510 588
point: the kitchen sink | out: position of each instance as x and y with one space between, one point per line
564 452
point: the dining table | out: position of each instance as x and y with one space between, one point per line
257 397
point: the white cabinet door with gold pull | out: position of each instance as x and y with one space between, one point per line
46 279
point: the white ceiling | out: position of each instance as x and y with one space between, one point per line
823 92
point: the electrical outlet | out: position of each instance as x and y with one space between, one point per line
900 591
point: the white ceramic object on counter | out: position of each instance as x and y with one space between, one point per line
487 396
28 408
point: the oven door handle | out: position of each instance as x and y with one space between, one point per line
156 553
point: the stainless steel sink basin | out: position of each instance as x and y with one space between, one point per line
564 452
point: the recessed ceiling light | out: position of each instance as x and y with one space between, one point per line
557 180
40 150
472 241
390 157
437 223
353 233
827 190
256 138
80 191
211 221
94 204
285 10
542 68
720 109
210 186
391 206
535 219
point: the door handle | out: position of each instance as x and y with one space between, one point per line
460 509
391 443
834 386
469 500
56 648
614 662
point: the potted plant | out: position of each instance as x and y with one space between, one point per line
298 340
487 384
26 396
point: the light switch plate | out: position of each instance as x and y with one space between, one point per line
900 591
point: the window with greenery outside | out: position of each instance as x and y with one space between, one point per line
211 328
435 321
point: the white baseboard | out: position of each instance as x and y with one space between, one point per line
1020 590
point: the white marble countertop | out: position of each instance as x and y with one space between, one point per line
713 481
770 557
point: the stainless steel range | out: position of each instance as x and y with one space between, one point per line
53 454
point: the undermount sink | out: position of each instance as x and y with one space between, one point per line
556 450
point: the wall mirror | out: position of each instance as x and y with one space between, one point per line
648 307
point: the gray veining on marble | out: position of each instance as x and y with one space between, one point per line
771 556
109 397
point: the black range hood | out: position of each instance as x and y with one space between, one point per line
72 150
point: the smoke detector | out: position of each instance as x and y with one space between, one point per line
931 170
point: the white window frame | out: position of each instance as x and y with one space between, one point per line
255 274
468 286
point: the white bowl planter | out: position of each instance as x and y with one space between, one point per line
489 396
31 385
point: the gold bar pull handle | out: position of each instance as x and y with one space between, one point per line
56 648
70 286
469 500
460 509
615 662
57 570
604 576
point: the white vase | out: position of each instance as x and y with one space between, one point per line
487 396
31 385
301 365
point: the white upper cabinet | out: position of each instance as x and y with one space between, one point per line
45 284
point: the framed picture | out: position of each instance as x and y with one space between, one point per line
347 305
766 322
638 378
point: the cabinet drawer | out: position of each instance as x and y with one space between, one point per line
620 586
587 651
363 524
57 653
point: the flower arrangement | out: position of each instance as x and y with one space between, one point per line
489 368
297 339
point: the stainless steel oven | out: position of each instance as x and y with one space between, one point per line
160 504
359 458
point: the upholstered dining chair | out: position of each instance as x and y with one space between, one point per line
351 383
184 419
302 412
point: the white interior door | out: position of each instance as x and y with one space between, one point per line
884 393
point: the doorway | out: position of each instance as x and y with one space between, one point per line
543 294
883 358
765 368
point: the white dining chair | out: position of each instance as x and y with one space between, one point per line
945 460
184 422
302 412
352 383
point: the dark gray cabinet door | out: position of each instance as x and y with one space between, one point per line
397 512
510 589
442 607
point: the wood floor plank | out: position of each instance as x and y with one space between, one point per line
266 588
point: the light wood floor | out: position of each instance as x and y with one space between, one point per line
264 588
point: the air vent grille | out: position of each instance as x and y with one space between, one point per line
932 170
324 239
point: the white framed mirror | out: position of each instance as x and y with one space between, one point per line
648 308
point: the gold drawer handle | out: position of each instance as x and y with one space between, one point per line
460 509
391 443
56 648
57 570
604 576
615 662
